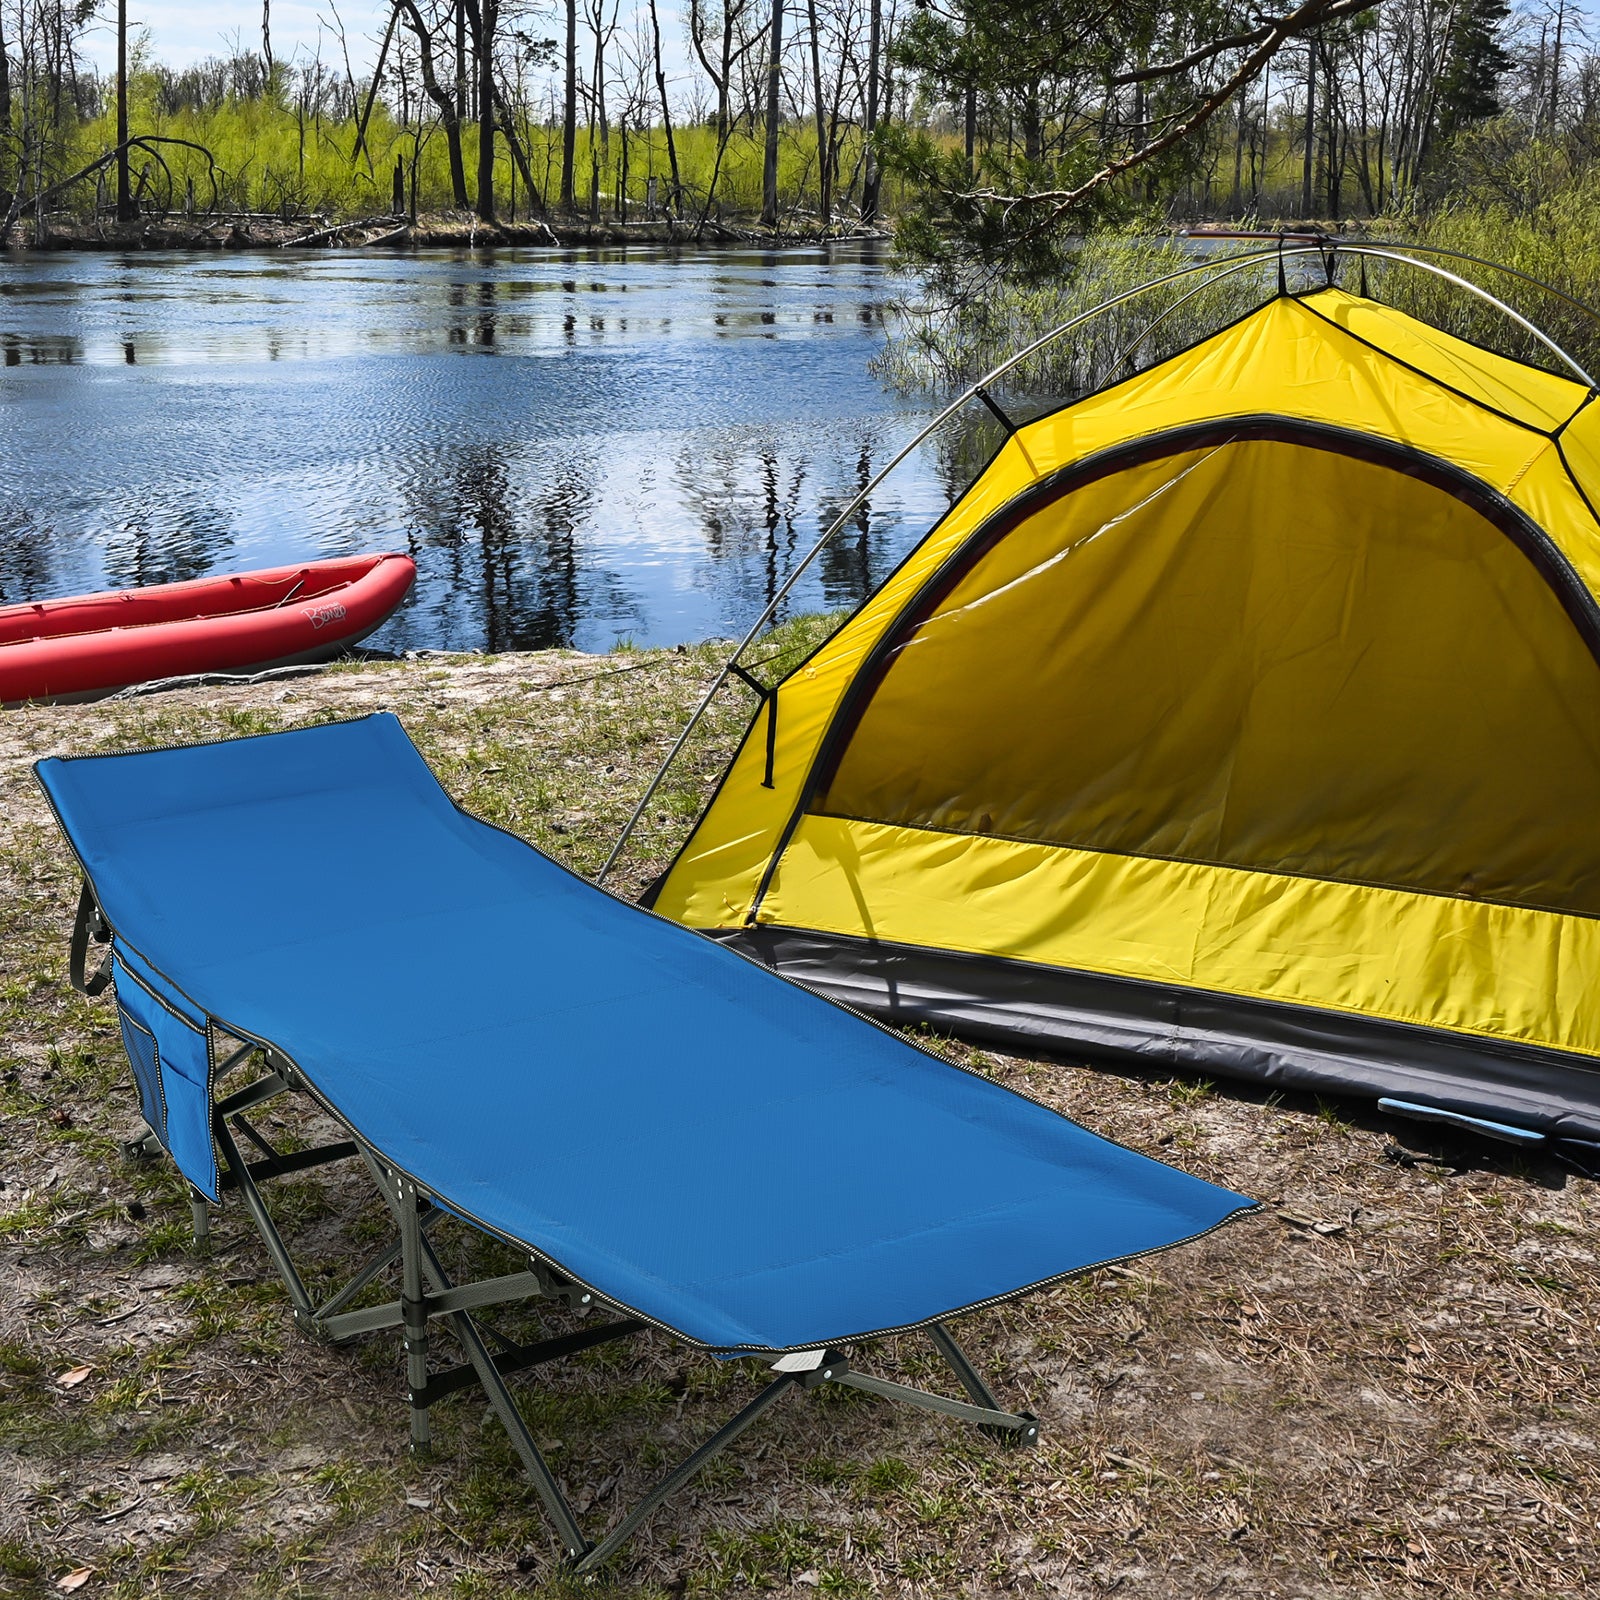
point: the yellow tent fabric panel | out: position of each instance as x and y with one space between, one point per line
1540 399
1285 360
1427 960
1580 442
1254 652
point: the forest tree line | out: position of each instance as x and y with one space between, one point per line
998 123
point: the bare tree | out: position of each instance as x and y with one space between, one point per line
602 23
736 40
769 165
126 209
869 188
569 114
820 117
447 101
675 195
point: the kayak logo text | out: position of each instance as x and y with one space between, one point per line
322 615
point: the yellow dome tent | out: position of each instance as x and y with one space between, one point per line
1243 716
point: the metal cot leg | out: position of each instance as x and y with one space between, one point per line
505 1407
270 1236
971 1380
414 1309
427 1291
200 1210
967 1374
675 1480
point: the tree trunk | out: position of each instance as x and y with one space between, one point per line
769 166
5 123
824 142
969 119
1555 64
488 18
870 183
719 83
622 171
599 150
569 114
1236 200
1141 179
1333 159
716 172
449 105
126 210
724 83
519 156
675 203
458 166
1032 127
1364 170
1308 169
461 86
1258 167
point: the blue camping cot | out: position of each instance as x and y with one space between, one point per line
657 1125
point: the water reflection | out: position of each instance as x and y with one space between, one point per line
652 476
167 539
849 570
25 556
41 350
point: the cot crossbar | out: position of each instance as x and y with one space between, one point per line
428 1294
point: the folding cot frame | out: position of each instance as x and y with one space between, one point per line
427 1291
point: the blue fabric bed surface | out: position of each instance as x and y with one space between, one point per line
691 1136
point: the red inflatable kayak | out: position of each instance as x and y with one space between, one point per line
91 644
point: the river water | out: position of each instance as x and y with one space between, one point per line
578 448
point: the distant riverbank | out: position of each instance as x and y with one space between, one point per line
447 230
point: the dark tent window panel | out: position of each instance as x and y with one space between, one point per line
1257 652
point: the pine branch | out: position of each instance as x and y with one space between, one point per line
1057 202
1308 16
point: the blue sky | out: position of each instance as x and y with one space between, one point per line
183 31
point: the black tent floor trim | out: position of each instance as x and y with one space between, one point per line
1108 1020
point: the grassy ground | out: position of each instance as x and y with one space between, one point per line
1386 1382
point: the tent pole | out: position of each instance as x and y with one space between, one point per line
1219 270
784 589
1182 300
1477 261
1484 295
